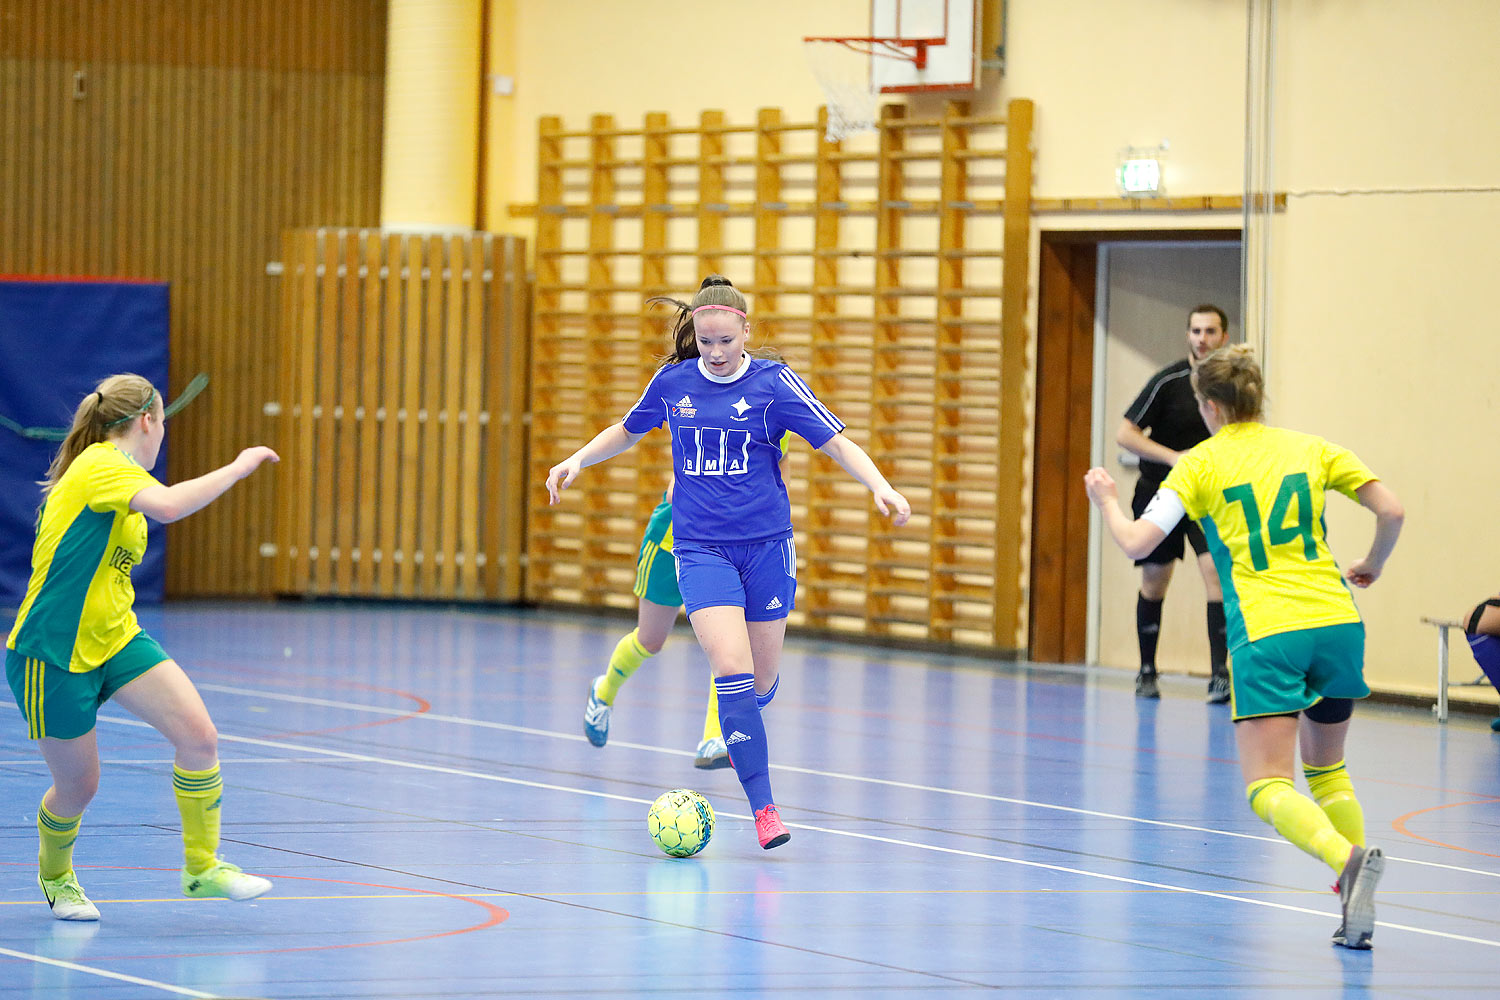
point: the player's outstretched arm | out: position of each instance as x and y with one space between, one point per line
166 504
1135 538
606 445
859 465
1389 516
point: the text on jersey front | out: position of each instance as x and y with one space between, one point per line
714 451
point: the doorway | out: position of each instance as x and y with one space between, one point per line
1112 309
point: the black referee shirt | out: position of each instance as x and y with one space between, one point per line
1167 408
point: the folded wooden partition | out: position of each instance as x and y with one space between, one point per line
403 395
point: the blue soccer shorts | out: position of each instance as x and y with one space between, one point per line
760 577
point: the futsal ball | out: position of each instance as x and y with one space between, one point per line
681 822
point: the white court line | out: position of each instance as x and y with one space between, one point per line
168 760
181 991
501 779
889 783
1140 882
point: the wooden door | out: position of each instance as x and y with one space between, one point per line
1059 508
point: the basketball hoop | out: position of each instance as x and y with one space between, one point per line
842 66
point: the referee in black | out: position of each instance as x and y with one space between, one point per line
1167 410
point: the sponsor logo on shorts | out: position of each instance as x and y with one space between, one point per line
775 604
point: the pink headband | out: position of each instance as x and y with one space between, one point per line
730 309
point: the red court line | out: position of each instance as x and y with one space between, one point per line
1030 735
423 705
1399 825
833 710
497 916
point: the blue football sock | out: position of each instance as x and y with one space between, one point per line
745 737
1486 649
762 700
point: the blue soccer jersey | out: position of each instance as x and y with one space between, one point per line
726 433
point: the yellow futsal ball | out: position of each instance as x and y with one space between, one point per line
681 822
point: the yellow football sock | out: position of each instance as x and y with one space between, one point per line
1297 818
711 730
628 655
1334 793
58 834
198 794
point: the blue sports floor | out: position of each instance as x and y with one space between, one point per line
417 784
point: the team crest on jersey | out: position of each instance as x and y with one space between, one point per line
684 408
739 407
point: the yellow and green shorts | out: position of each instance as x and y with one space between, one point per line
656 566
1285 673
61 704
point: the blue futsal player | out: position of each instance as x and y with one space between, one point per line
1482 628
737 565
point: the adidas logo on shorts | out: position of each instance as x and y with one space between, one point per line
775 603
735 737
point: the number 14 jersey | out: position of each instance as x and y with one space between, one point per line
1259 492
726 445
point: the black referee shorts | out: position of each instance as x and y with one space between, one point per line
1171 548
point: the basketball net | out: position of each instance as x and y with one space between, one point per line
844 74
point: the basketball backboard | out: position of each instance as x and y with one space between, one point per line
952 47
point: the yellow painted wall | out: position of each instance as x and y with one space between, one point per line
504 126
1380 337
1378 340
1106 75
428 178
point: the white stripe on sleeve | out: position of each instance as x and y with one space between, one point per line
822 412
645 392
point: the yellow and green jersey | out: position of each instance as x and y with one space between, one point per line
78 608
1258 492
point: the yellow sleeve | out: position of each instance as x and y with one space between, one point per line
1183 480
113 479
1344 471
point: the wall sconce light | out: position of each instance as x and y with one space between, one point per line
1141 169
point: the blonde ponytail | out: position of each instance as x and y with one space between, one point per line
114 402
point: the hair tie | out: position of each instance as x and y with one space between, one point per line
738 312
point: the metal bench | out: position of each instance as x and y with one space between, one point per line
1443 625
